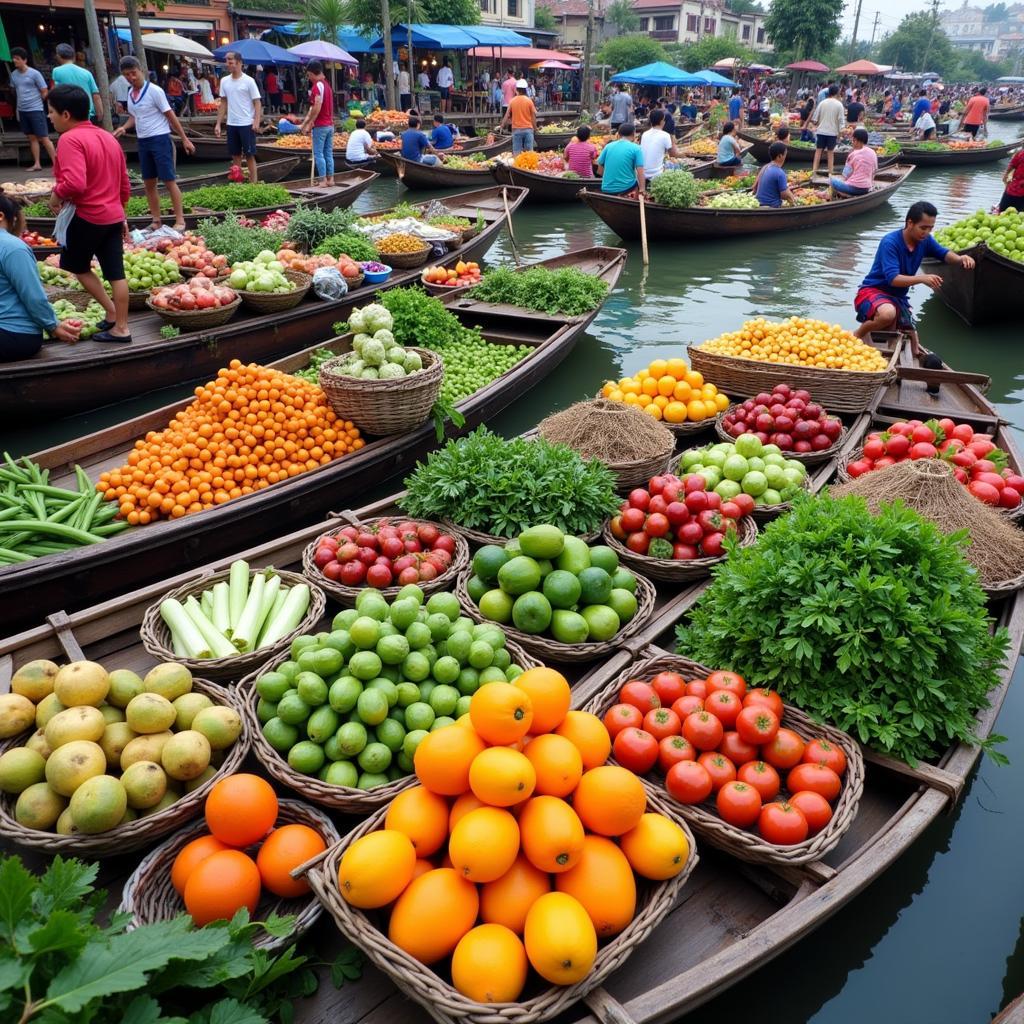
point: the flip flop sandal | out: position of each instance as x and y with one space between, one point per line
104 325
179 227
108 337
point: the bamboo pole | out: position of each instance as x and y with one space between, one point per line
643 230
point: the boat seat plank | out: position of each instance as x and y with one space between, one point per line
927 775
922 373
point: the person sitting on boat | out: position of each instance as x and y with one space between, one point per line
782 133
656 144
581 153
288 124
688 109
622 164
416 146
924 126
771 186
604 117
441 138
729 152
360 148
882 300
860 168
1013 194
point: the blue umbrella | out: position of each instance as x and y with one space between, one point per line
714 78
256 51
658 73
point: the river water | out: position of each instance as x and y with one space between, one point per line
939 939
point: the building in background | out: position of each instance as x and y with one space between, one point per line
571 16
968 29
689 21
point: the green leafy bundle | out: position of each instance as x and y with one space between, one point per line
228 237
311 373
138 206
310 225
402 210
349 243
239 196
498 486
873 622
37 209
567 291
675 188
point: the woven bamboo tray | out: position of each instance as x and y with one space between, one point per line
156 637
340 798
480 538
807 458
384 407
406 260
836 390
143 830
743 843
540 1001
149 895
549 649
79 299
684 429
196 319
347 596
672 570
1004 587
270 302
138 301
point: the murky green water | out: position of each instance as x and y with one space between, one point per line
939 939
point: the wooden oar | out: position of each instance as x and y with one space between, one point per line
508 220
643 230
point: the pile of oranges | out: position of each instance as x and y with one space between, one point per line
251 427
669 390
487 862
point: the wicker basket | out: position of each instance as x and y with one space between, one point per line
1004 587
156 637
149 896
682 429
196 319
79 299
407 260
270 302
347 596
479 538
671 570
138 301
144 830
807 458
743 843
384 407
340 798
540 1002
353 282
550 650
837 390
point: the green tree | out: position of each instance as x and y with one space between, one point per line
919 40
745 7
995 12
624 52
450 12
373 17
620 13
544 19
710 50
973 66
806 27
321 19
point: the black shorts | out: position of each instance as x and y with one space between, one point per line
34 122
826 142
445 91
972 129
241 140
1011 202
85 240
18 346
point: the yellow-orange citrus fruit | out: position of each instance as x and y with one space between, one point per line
221 885
588 735
551 834
422 816
489 965
484 844
656 848
443 758
501 713
283 850
557 762
609 800
376 868
432 915
560 939
501 777
549 694
508 899
603 883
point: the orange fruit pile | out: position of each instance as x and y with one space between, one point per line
487 862
668 390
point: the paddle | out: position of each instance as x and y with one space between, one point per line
643 230
508 219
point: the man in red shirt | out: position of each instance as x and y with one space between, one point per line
92 176
320 118
976 112
1014 180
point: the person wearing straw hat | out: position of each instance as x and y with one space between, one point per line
523 115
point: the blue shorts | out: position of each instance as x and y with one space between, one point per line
241 140
445 91
156 157
34 122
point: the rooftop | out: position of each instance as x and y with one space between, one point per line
571 8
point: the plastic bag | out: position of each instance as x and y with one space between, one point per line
329 284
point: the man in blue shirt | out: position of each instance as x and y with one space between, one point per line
881 301
922 106
415 145
621 164
735 106
441 137
772 186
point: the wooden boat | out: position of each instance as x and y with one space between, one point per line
138 556
992 291
64 379
1014 113
559 140
958 157
623 215
207 146
270 171
430 176
760 144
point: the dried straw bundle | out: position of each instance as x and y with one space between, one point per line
610 431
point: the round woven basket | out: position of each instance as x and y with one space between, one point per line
479 538
540 1001
149 895
138 301
143 830
807 458
671 570
548 649
340 798
196 319
156 637
347 596
353 282
682 429
1004 587
270 302
407 260
79 299
384 407
740 842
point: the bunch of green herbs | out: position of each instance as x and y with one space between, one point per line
246 196
138 206
228 237
567 291
309 225
37 209
311 373
679 189
349 243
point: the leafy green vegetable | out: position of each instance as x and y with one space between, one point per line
37 209
675 188
310 225
311 373
485 482
228 237
169 331
874 623
402 210
356 246
239 196
567 291
138 206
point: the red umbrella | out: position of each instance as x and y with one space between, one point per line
807 65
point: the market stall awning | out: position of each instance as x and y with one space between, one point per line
552 65
734 62
451 37
808 65
658 73
257 51
712 77
523 54
317 49
171 42
348 38
1011 79
864 67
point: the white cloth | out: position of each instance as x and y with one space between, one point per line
205 92
403 82
358 142
445 78
191 85
654 144
241 94
119 89
925 121
424 80
148 109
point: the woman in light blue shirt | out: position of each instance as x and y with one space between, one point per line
729 153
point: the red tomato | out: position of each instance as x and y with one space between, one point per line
725 706
785 750
962 432
745 502
688 782
622 716
697 688
738 751
657 525
669 686
703 730
764 699
874 449
638 542
640 695
719 767
898 446
782 824
636 750
686 705
725 680
639 498
672 750
814 807
739 804
662 722
757 725
632 519
818 778
823 752
762 776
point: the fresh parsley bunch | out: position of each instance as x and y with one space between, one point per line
228 237
567 291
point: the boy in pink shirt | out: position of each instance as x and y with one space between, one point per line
861 166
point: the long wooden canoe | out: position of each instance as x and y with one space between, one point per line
207 146
64 379
270 171
760 144
1015 113
992 291
958 157
623 215
141 555
416 175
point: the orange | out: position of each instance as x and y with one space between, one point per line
484 844
489 965
610 800
507 899
694 378
677 367
695 409
603 883
376 868
421 867
190 855
501 777
422 816
501 713
649 386
550 696
666 384
462 806
657 848
284 849
221 885
443 758
557 762
241 809
588 735
560 939
674 412
432 915
653 410
658 367
551 834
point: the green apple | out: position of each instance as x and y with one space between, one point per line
748 446
755 484
735 467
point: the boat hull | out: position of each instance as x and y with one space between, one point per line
432 176
269 171
991 292
958 157
1016 114
759 147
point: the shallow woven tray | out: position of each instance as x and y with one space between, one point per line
340 798
540 1001
807 458
683 429
149 895
269 302
156 637
138 301
1004 587
479 538
406 260
79 299
347 596
671 570
195 319
547 648
744 843
384 407
141 831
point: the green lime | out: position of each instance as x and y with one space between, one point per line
468 682
487 561
443 603
344 693
392 650
496 605
365 632
404 763
441 723
602 622
490 634
300 643
512 548
542 541
327 661
311 688
352 738
569 627
371 780
344 619
388 688
273 686
458 644
462 706
387 629
562 589
372 706
367 594
492 674
374 757
410 592
446 669
291 708
513 672
419 716
595 586
502 659
623 603
392 672
532 613
426 688
575 556
391 734
404 612
418 635
481 654
463 622
280 735
306 757
440 626
332 748
519 575
430 653
289 669
623 579
340 640
412 740
266 710
307 659
397 714
604 558
443 699
342 773
416 667
408 693
322 724
365 665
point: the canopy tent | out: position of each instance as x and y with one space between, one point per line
450 37
808 65
658 73
712 77
523 54
734 62
171 42
317 49
256 51
864 67
552 65
347 37
1011 80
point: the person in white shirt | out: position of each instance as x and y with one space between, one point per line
360 146
240 101
656 144
829 120
404 90
119 89
424 79
445 81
